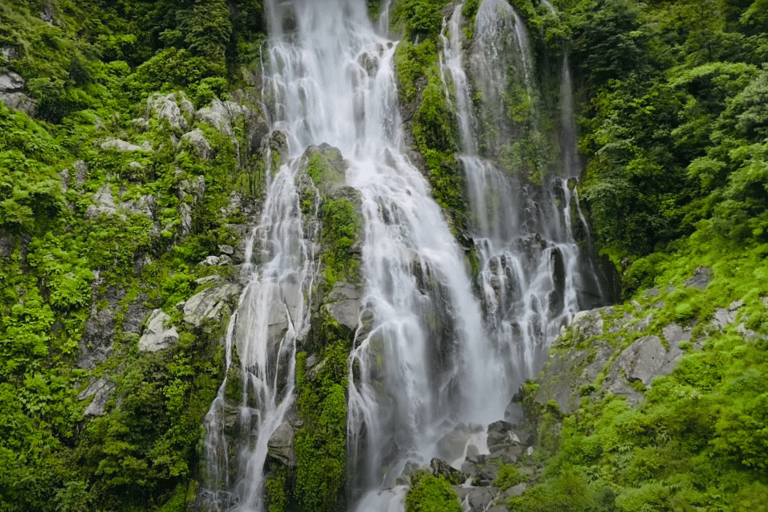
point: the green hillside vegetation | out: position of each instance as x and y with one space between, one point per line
673 122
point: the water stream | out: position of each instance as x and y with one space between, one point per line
433 355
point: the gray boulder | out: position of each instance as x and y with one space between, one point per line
11 93
280 445
344 304
121 145
197 140
167 108
159 334
210 303
101 390
103 203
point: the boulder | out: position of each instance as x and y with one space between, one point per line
210 303
121 145
9 53
642 360
280 445
104 203
159 334
701 278
344 304
11 93
145 205
476 499
197 140
10 82
167 108
504 443
101 390
442 469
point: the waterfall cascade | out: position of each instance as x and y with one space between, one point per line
436 355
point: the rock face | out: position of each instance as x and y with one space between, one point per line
344 304
280 446
102 325
12 91
210 303
104 203
198 141
159 333
121 145
171 108
101 390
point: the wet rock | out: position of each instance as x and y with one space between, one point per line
159 333
280 445
344 304
476 499
224 260
101 390
227 249
200 144
503 442
452 445
702 276
210 303
442 469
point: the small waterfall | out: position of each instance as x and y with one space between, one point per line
260 350
532 274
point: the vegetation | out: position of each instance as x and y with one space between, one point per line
431 494
674 126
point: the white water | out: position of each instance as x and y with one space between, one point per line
271 315
531 268
430 357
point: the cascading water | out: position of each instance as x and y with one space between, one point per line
532 272
262 335
430 358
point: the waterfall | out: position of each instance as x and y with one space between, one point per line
434 353
533 277
260 350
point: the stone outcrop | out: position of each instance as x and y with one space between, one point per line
211 303
101 391
159 333
197 140
12 88
280 445
173 108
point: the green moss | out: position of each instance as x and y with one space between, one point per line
321 443
431 494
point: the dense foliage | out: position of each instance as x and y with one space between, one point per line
674 128
90 66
